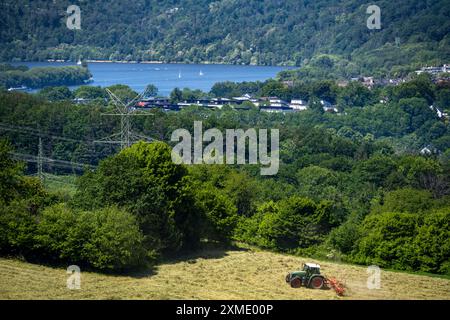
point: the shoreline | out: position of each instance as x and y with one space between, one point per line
155 62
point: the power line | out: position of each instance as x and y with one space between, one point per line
9 127
54 162
40 134
124 137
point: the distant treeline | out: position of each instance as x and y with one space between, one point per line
40 77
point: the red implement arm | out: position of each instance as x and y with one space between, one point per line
335 284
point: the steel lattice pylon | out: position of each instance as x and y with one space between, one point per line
125 111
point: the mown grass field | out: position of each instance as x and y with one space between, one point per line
213 274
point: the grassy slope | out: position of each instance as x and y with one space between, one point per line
213 274
64 185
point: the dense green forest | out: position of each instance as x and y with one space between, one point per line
290 32
352 186
11 76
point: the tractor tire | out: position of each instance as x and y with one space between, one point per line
316 282
296 283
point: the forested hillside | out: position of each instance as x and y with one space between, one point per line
289 32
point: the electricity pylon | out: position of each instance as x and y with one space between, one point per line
40 161
125 111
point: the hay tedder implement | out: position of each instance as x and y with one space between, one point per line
310 277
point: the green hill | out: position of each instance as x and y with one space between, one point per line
288 32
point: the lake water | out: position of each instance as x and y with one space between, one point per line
168 76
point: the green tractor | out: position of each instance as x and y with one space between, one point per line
309 277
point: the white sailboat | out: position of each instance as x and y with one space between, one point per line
201 73
179 75
79 62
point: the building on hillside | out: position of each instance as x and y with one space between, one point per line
277 102
238 101
274 105
288 83
245 97
271 109
215 103
428 150
157 103
298 105
394 82
257 102
328 106
434 70
342 83
368 82
425 151
81 100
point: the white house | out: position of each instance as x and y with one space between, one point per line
298 105
245 97
425 151
434 70
276 102
328 107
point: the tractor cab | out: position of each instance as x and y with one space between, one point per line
311 268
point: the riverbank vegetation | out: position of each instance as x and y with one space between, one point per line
39 77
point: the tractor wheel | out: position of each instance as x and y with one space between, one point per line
296 283
316 283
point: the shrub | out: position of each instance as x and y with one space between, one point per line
221 214
115 242
248 229
143 180
289 224
433 242
106 239
52 231
17 228
387 240
344 237
406 200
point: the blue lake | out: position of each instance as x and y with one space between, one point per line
168 76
